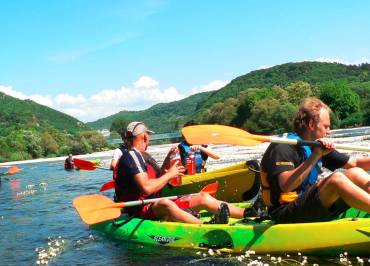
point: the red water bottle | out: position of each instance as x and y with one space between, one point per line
190 163
175 157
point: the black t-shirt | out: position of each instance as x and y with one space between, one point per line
130 164
279 158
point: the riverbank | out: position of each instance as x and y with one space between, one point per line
102 154
355 136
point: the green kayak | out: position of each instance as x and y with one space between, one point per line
349 233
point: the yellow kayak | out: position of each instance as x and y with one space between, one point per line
236 183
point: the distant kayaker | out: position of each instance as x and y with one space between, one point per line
134 183
290 173
68 163
199 153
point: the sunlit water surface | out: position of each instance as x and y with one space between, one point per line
39 225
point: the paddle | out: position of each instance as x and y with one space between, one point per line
87 165
107 185
218 134
97 208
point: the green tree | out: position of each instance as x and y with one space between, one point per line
49 145
297 91
221 113
341 98
33 144
119 125
247 100
270 115
95 139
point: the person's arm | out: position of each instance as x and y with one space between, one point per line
290 180
113 164
149 186
207 151
115 158
361 162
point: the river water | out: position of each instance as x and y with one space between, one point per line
39 225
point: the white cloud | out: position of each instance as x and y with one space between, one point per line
146 82
212 86
141 94
40 99
67 99
9 91
263 67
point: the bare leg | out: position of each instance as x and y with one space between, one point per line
338 186
205 201
360 177
165 209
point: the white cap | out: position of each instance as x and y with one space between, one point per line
136 128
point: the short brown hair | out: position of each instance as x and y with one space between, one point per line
307 111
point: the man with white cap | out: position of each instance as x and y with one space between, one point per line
133 183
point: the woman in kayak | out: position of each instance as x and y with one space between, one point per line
133 183
200 152
289 175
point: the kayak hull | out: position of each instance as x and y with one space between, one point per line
236 183
350 235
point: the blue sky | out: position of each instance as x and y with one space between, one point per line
93 58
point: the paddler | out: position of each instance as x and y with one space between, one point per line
68 163
117 154
200 152
290 185
134 183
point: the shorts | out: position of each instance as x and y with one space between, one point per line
146 211
307 208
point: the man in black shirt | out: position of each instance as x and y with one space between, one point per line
289 173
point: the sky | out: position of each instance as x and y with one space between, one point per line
93 58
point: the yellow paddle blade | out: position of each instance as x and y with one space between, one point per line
219 134
96 208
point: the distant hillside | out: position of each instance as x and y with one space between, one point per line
29 130
282 75
170 116
15 109
163 117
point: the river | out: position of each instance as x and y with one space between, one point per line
39 225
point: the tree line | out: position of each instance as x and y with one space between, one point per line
270 110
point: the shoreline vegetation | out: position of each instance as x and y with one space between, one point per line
262 101
231 153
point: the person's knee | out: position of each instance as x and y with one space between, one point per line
354 172
338 179
164 208
204 198
165 204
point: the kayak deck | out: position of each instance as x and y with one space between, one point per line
350 233
236 183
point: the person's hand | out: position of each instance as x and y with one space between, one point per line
196 147
327 147
173 149
177 169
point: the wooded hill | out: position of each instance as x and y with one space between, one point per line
29 130
281 87
260 101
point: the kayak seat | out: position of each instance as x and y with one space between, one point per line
254 167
